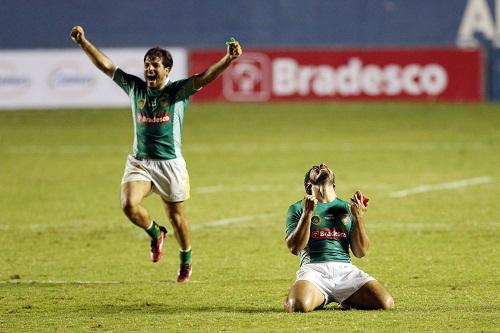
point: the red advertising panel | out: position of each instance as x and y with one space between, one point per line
444 74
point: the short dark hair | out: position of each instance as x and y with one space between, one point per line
307 181
166 57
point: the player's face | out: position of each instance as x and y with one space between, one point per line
155 73
319 174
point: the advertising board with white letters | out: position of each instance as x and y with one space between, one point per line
418 74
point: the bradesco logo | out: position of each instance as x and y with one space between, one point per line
355 78
248 79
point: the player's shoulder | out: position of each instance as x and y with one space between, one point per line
338 203
294 212
341 201
295 206
173 84
123 75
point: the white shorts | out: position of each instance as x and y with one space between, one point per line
169 178
336 280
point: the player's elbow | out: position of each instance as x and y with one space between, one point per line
359 247
359 254
359 251
108 69
203 79
292 247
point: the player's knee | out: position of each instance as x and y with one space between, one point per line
297 305
290 305
128 205
388 303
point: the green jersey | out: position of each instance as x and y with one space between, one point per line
329 232
158 115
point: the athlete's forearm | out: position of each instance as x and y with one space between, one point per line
99 59
359 238
212 72
299 238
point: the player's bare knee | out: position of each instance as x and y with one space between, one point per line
287 306
388 303
291 305
297 305
128 206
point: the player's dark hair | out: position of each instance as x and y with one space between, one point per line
307 181
164 55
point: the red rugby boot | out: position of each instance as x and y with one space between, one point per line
184 273
157 245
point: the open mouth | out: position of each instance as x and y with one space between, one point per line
322 175
151 78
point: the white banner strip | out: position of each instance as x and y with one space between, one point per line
67 78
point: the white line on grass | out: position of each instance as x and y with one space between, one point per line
231 220
442 186
83 282
268 188
209 224
16 281
312 146
241 188
252 148
426 226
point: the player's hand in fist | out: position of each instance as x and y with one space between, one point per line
310 203
359 204
234 49
77 34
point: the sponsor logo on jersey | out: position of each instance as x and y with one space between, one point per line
153 120
141 103
328 233
315 219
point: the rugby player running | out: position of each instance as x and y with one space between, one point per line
156 164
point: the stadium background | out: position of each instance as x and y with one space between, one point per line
40 67
258 23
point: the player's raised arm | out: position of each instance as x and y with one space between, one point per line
299 238
359 238
234 50
95 55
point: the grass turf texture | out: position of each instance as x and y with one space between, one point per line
70 261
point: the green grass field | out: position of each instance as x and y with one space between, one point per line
71 262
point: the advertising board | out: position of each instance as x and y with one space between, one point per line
67 78
415 74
